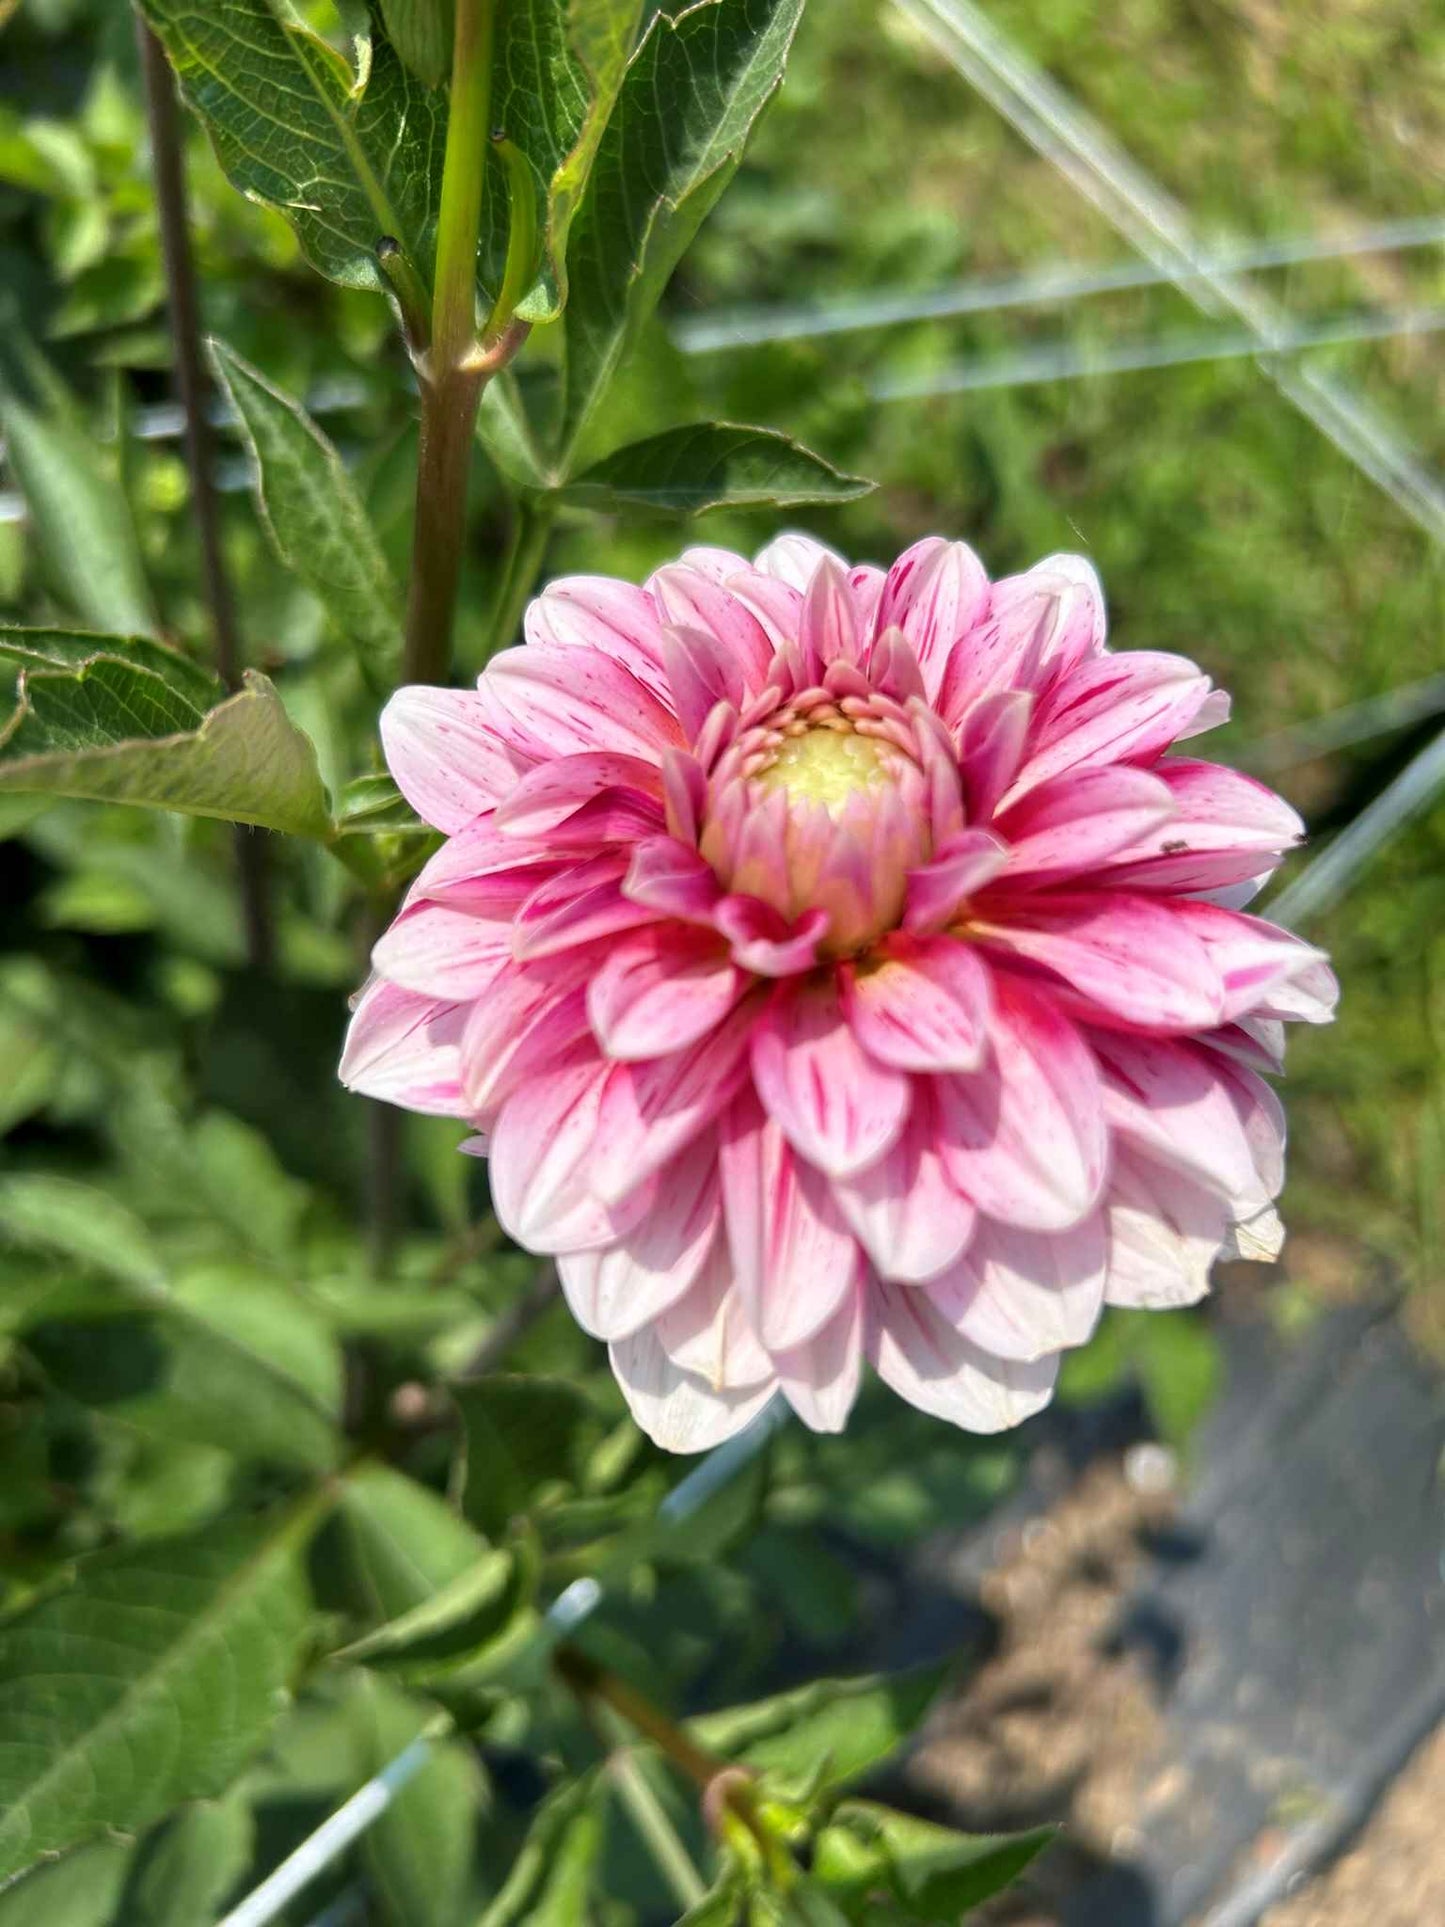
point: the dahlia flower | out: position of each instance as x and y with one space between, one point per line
838 967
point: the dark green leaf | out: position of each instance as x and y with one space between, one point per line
658 173
346 158
712 465
177 1655
393 1544
81 520
419 1853
523 1435
455 1623
74 648
553 1876
824 1734
421 31
40 1211
315 518
116 732
185 1871
937 1872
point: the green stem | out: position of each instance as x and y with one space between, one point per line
451 387
521 237
654 1826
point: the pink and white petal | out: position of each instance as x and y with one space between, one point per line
575 907
794 1258
1127 959
1165 1232
1024 1137
696 603
1111 709
667 877
543 1149
652 1110
912 1222
560 702
549 795
937 890
660 989
679 1411
920 1356
778 605
1069 827
443 951
830 631
937 593
1040 626
1023 1294
764 942
1171 1101
465 864
596 612
992 738
820 1379
925 1005
1226 829
707 1332
1262 967
403 1049
838 1107
525 1025
616 1291
794 558
445 754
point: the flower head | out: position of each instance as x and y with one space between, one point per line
837 968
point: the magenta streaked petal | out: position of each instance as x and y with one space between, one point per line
652 1110
1026 1295
1070 826
444 951
1128 959
678 1410
659 990
937 891
937 593
402 1048
519 1029
445 754
764 942
794 1258
1263 968
1024 1137
925 1005
576 906
594 612
918 1353
820 1378
1172 1102
692 601
560 702
1226 829
903 1210
670 878
829 631
992 738
1040 626
543 1148
547 796
838 1107
777 605
616 1291
1111 709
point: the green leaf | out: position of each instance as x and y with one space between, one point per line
74 648
81 520
314 515
419 1854
41 1211
177 1655
392 1544
826 1733
79 1891
659 173
185 1871
374 806
553 1875
557 70
712 465
346 157
115 731
421 31
455 1623
523 1436
937 1872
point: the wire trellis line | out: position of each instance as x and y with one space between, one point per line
1060 130
1073 361
350 1820
753 327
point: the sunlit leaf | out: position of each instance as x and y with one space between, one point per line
314 516
826 1733
712 465
177 1655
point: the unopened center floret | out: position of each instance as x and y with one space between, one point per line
827 764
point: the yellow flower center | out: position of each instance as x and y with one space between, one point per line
827 765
